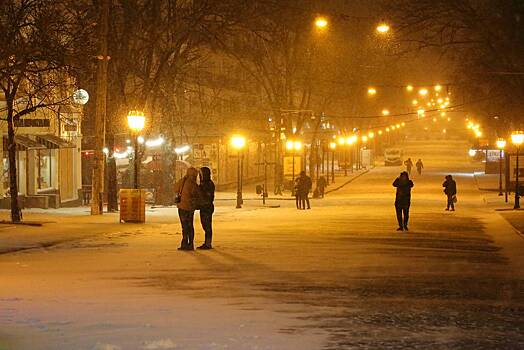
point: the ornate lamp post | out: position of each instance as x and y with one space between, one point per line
239 142
136 121
501 144
517 138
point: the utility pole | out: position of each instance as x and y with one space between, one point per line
97 182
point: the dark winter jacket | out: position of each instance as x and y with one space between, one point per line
207 189
403 196
450 187
304 184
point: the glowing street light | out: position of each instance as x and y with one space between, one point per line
423 92
438 87
372 91
517 138
409 88
383 28
351 140
238 142
385 112
501 144
136 121
341 141
371 134
414 102
321 23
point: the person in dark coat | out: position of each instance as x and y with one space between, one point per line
403 199
207 208
189 196
419 166
321 186
298 199
304 187
409 164
450 189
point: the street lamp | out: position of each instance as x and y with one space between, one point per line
517 138
293 146
501 143
383 28
333 147
321 23
136 122
372 91
239 142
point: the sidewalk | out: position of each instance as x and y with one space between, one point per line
488 185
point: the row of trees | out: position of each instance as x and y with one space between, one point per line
482 41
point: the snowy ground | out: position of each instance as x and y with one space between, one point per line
336 277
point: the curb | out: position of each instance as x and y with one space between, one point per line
348 182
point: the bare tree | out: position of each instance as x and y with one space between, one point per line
34 71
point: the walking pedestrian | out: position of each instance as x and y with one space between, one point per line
409 164
187 196
304 187
321 186
419 166
403 199
450 189
207 208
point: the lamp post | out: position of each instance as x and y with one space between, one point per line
517 138
293 146
501 143
333 147
342 142
136 122
239 142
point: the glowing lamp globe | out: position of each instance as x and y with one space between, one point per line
136 121
517 138
238 141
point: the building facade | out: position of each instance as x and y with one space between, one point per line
48 158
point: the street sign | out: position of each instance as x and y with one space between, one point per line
288 165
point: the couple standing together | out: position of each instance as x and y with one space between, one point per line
191 196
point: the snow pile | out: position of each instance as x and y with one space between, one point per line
159 344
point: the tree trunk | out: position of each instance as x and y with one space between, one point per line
13 186
112 185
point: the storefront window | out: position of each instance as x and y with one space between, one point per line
44 169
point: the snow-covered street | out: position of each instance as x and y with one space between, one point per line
338 276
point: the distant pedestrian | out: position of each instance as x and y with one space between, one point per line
419 166
187 196
409 165
304 187
321 186
207 208
403 199
297 192
450 189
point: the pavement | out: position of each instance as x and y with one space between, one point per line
337 276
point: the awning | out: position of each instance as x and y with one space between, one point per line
23 143
53 141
